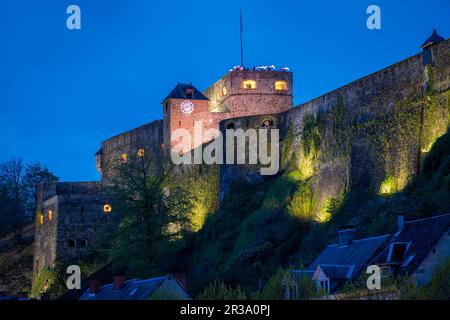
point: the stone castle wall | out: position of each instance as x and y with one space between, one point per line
71 230
148 137
378 126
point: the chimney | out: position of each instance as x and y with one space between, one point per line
118 282
346 235
400 223
94 286
181 278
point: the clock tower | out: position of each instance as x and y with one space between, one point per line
184 109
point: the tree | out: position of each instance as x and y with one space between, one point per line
18 183
148 218
11 173
217 290
439 286
35 173
284 285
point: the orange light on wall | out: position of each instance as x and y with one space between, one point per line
248 84
41 218
123 157
107 208
50 215
280 85
141 153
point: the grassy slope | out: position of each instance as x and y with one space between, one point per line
254 234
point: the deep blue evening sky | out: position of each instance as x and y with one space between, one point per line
62 92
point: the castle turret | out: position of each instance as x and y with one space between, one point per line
245 92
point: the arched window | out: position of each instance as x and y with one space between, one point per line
267 123
83 243
71 243
230 125
50 215
280 85
41 218
248 84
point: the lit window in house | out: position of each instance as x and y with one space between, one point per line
249 84
107 208
50 215
280 85
141 153
123 157
41 218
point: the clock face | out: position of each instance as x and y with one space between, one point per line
187 107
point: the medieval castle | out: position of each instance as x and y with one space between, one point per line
68 213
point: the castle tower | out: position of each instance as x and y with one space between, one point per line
245 92
182 109
241 92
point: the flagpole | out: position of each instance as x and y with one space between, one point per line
242 31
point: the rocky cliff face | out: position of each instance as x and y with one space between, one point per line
16 261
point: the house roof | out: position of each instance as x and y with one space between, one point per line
421 236
338 272
357 253
135 289
179 92
433 39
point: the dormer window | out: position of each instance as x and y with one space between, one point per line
280 86
249 85
397 251
189 93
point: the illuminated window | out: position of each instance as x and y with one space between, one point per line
218 95
50 215
107 208
123 157
249 84
141 152
280 85
224 91
41 218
